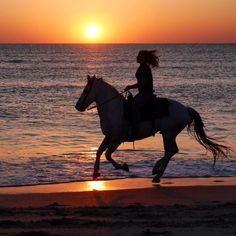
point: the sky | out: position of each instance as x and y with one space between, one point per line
120 21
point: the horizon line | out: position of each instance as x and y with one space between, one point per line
66 43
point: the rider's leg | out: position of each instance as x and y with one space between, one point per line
139 102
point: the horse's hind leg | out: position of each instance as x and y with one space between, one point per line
159 163
114 144
103 146
171 148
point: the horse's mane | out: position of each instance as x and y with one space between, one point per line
113 89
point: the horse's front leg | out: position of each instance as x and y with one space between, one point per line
114 144
103 146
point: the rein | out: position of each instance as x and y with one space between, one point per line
107 101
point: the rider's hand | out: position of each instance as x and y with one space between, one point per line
127 88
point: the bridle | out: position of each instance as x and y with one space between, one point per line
87 91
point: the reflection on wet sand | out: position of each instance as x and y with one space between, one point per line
96 185
119 184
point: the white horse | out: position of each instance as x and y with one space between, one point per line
110 106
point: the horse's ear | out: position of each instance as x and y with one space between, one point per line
94 76
88 77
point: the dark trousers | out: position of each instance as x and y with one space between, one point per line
139 102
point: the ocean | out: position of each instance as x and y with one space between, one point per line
43 139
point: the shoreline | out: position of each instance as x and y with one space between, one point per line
187 191
118 184
113 179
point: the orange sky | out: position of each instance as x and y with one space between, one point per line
120 21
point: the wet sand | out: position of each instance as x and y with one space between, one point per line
202 206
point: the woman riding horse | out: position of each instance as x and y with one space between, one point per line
114 126
146 59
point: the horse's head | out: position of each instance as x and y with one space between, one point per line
88 95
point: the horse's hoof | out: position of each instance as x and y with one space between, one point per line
125 167
156 179
96 175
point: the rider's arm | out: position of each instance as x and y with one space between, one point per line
139 84
133 86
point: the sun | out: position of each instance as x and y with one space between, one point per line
92 32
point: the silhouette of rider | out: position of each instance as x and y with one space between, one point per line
146 59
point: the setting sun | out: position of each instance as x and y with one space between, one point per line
92 31
151 21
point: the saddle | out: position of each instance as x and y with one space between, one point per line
155 108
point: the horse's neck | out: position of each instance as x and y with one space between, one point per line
109 102
108 93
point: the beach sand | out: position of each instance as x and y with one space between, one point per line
193 206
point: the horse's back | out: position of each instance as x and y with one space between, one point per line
176 108
178 116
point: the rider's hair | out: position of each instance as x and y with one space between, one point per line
150 57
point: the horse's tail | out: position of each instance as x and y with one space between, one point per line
196 129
